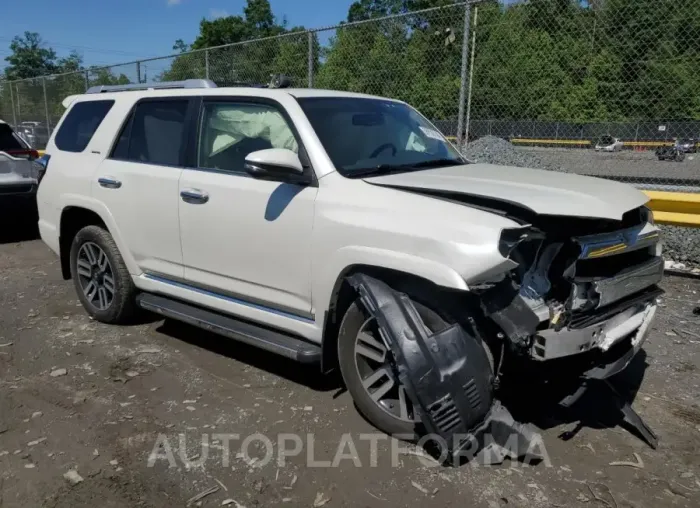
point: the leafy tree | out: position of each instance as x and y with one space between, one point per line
180 46
29 58
244 62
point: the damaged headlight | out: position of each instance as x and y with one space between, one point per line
512 237
521 245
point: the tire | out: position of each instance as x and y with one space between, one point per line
122 306
350 326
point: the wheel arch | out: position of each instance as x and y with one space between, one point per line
342 295
74 217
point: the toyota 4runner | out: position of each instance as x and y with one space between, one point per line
343 230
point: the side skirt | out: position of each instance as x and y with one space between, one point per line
289 346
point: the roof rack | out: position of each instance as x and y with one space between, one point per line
188 83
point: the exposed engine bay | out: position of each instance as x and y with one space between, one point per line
580 284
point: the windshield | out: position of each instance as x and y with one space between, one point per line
373 136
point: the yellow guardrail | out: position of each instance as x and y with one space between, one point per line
675 208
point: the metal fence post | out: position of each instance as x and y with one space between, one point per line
206 63
19 105
87 80
138 72
463 77
471 76
311 60
46 106
12 100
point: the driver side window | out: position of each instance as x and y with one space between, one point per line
229 132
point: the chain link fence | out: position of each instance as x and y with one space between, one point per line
550 76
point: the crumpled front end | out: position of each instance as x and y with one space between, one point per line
582 286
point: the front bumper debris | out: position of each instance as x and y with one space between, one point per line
550 344
449 379
613 289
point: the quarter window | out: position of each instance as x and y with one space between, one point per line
231 131
80 125
153 133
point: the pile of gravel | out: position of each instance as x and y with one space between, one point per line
681 245
495 150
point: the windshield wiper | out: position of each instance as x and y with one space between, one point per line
385 169
438 163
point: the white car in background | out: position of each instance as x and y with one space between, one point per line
608 143
18 173
344 230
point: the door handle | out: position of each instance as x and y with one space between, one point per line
194 196
109 182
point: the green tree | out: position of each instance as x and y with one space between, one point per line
29 58
248 60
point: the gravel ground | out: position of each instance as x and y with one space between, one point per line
82 406
681 244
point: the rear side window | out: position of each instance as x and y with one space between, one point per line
80 125
153 133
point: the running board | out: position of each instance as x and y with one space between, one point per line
242 331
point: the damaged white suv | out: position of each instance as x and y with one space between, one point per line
344 230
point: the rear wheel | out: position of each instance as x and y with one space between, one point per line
370 373
100 276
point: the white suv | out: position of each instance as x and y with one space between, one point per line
344 230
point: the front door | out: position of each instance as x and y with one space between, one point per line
246 238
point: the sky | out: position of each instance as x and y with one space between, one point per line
125 30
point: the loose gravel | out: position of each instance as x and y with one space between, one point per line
680 244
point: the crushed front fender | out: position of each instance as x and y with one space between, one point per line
446 374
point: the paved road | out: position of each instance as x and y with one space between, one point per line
125 387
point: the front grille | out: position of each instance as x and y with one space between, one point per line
611 265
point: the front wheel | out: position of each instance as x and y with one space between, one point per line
100 276
370 373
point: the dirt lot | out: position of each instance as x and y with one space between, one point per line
124 387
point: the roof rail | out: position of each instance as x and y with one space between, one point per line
188 83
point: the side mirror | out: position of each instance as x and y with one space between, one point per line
277 164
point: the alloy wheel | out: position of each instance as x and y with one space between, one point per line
374 364
95 276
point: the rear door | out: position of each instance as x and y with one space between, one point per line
139 182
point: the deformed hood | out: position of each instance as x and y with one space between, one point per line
542 192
